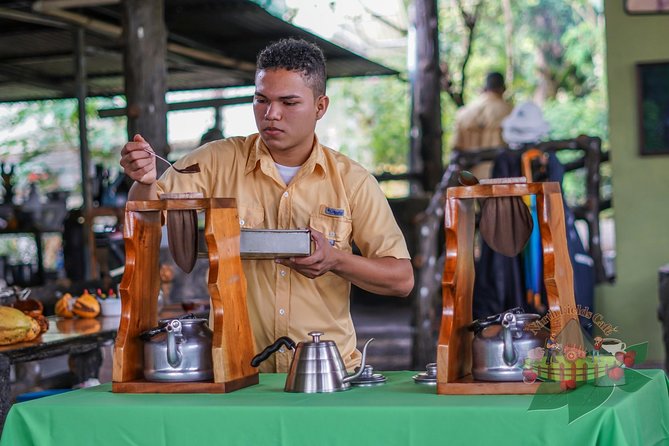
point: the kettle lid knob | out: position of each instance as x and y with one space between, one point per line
316 335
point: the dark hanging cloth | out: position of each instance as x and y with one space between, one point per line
499 282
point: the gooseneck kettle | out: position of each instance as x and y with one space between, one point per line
316 367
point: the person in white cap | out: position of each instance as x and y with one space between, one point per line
525 125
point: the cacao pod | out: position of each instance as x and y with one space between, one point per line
31 307
14 325
64 306
86 306
43 322
35 330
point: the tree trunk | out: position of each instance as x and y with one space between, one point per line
426 132
145 42
426 149
508 40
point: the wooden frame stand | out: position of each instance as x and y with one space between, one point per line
232 344
454 351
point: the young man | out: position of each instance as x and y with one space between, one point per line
283 178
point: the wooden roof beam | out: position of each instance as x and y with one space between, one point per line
187 105
36 79
115 31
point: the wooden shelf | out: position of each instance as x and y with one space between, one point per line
468 386
142 386
106 212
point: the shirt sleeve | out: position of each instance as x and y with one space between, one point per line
375 230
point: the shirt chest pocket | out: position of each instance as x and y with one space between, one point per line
336 229
251 216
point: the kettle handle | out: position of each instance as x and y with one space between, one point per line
162 328
495 319
260 357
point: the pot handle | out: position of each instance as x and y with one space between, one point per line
260 357
495 319
150 333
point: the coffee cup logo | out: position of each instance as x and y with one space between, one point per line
613 345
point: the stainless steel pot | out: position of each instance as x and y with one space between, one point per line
501 344
178 350
316 367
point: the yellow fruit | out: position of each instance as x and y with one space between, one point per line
34 331
15 326
64 306
86 306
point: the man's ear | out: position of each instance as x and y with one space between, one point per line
321 106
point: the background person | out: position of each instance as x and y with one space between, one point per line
478 124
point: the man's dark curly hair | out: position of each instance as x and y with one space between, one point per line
296 55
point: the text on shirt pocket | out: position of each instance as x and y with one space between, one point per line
337 229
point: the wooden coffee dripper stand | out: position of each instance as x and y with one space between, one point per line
454 351
232 344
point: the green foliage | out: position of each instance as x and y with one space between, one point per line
375 124
562 37
43 131
571 117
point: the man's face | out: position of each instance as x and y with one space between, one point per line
286 111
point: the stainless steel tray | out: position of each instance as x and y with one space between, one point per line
274 243
267 243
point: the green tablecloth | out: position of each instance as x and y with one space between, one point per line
397 413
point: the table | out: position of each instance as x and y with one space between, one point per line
79 338
398 413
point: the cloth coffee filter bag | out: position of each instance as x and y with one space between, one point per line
182 233
182 238
506 224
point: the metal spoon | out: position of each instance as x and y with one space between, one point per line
466 178
193 168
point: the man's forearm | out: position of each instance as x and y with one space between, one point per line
386 275
139 191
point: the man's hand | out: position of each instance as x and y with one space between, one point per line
321 261
137 163
382 275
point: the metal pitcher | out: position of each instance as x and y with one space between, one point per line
317 366
501 345
178 350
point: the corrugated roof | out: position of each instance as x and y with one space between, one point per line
37 50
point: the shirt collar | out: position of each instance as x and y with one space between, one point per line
259 156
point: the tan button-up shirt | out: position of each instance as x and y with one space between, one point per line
330 193
478 125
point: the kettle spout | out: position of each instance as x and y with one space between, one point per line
362 364
174 355
509 355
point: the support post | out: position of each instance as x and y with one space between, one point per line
145 43
89 266
426 131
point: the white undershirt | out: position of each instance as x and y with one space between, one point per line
287 172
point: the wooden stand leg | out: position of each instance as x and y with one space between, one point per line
139 293
233 343
454 353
